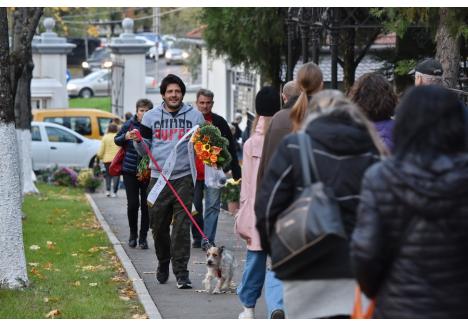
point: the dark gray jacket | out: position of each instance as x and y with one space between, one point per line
410 244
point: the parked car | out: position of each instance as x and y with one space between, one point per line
158 44
100 58
176 54
90 123
98 83
53 144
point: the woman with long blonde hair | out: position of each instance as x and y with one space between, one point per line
344 145
310 81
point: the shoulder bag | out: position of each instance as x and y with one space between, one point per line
311 226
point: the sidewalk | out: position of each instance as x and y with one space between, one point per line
170 301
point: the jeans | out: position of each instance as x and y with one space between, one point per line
253 278
207 219
273 292
110 179
136 197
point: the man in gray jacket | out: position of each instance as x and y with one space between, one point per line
165 130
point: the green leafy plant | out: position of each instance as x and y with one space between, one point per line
87 180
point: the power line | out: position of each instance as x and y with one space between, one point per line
107 22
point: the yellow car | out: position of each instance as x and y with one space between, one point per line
91 123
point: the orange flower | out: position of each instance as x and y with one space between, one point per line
206 139
198 146
205 155
216 150
206 147
213 158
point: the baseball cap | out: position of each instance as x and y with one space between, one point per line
428 66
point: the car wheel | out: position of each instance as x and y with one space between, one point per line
86 93
91 163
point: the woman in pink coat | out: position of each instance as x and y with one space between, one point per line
267 103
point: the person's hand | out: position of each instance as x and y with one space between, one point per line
131 135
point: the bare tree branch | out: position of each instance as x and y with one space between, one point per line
364 50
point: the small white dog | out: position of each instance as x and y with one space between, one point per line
220 265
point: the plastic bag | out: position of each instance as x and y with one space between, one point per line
214 178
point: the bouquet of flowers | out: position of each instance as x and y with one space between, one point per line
231 193
143 170
210 147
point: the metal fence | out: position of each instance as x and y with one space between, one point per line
462 95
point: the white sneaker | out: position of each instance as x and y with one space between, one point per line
107 193
113 195
248 313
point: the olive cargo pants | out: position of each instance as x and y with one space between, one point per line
172 245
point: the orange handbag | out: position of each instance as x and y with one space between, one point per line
357 309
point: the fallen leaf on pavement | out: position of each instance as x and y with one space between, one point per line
53 313
138 316
124 298
94 249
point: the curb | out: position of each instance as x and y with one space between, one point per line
143 295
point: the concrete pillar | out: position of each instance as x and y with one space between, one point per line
128 69
50 59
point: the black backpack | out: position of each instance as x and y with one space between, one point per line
311 226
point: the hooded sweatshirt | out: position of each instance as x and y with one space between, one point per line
162 130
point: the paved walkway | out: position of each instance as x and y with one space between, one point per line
170 301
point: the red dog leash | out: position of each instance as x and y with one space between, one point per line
147 150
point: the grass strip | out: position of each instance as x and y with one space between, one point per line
72 267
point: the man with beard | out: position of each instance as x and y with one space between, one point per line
164 130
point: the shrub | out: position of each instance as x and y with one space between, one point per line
87 180
65 177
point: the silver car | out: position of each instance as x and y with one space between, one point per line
53 144
99 83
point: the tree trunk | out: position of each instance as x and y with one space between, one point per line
13 273
447 49
24 25
23 117
349 66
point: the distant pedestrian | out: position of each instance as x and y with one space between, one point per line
238 135
117 122
310 81
375 96
428 72
267 103
135 189
207 219
162 129
343 145
106 154
128 116
280 124
411 238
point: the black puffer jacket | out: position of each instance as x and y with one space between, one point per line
131 160
410 244
343 151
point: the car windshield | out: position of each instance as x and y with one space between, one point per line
99 54
151 37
